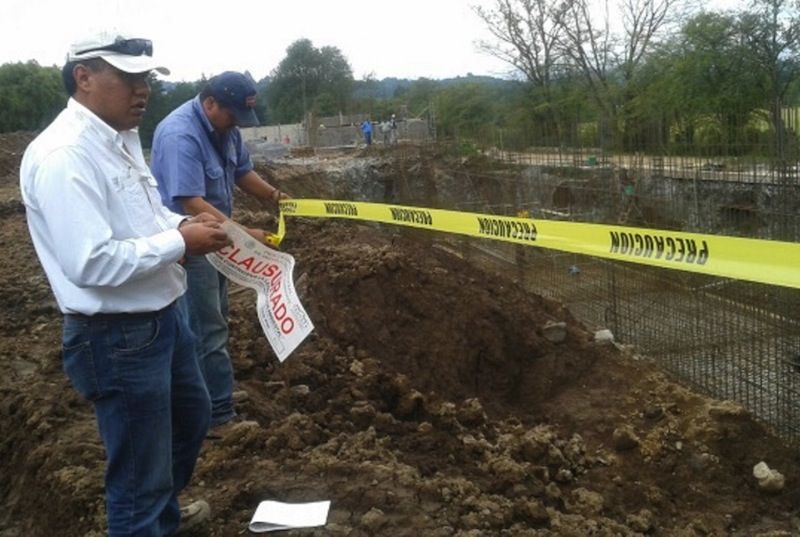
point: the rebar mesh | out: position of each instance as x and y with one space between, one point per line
734 340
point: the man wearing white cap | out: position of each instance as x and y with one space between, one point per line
110 251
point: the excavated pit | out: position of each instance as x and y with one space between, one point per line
427 402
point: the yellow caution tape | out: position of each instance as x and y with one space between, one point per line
272 239
275 239
770 262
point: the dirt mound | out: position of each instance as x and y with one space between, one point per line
427 402
12 146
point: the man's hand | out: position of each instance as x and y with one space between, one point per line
199 219
260 235
204 217
203 237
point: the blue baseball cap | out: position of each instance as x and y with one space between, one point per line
237 93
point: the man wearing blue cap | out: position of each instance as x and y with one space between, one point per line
197 158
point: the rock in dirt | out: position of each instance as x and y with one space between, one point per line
769 479
555 332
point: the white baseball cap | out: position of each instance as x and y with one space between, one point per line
129 54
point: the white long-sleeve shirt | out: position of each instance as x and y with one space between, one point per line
106 242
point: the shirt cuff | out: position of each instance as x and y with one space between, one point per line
170 245
175 220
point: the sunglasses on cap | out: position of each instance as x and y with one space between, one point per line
129 47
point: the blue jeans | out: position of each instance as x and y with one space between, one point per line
140 373
207 303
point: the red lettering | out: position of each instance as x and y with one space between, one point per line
272 271
275 285
232 255
247 263
258 267
281 314
287 325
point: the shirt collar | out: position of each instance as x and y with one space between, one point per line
197 106
106 131
125 142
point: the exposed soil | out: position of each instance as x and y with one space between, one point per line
427 402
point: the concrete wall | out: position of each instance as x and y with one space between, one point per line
326 135
334 131
290 135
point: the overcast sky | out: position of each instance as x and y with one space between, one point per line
401 38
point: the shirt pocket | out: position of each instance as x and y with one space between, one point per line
214 172
154 202
216 187
78 359
136 192
136 336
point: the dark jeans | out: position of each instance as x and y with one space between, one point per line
141 374
207 303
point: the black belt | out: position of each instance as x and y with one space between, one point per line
135 316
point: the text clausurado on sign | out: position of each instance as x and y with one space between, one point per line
261 267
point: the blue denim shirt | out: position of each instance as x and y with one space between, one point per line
186 163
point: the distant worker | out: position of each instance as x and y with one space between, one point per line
198 156
385 132
110 251
393 130
366 130
629 203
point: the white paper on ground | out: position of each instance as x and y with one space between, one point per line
273 516
252 264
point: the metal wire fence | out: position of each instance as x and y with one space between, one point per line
732 339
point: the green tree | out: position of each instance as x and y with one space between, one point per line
164 98
551 40
526 36
467 111
366 94
699 90
309 79
30 96
772 32
419 95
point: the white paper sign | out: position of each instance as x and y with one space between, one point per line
274 516
252 264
